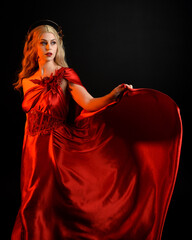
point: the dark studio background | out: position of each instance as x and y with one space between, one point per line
143 43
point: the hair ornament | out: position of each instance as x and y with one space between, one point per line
46 22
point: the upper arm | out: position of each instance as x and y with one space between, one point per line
80 94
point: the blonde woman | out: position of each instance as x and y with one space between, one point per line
91 169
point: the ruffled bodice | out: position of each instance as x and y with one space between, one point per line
45 104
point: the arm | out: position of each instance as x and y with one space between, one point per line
89 103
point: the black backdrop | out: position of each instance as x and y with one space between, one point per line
143 43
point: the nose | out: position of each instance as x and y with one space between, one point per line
48 46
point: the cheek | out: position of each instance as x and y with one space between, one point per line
40 51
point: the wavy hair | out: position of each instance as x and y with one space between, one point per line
30 59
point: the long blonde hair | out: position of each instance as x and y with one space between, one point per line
30 58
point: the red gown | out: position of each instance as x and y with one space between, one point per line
105 175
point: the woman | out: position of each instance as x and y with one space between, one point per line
92 168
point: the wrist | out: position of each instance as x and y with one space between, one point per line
111 97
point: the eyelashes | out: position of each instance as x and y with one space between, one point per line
43 43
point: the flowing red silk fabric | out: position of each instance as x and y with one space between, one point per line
107 175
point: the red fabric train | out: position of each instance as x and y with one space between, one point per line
105 175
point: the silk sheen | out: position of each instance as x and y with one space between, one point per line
105 175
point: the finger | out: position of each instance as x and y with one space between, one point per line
123 85
129 86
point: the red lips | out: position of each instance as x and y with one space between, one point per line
48 54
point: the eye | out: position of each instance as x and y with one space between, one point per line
53 42
43 43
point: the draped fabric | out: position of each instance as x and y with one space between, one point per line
105 175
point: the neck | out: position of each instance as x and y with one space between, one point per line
46 68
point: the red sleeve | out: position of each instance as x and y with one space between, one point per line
70 75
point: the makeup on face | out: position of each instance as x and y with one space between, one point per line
47 46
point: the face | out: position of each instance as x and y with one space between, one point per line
46 47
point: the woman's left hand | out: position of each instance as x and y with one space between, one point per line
116 92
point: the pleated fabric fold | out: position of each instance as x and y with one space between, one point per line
106 175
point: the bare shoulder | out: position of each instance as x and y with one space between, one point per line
27 84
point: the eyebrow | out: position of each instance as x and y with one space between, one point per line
46 40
